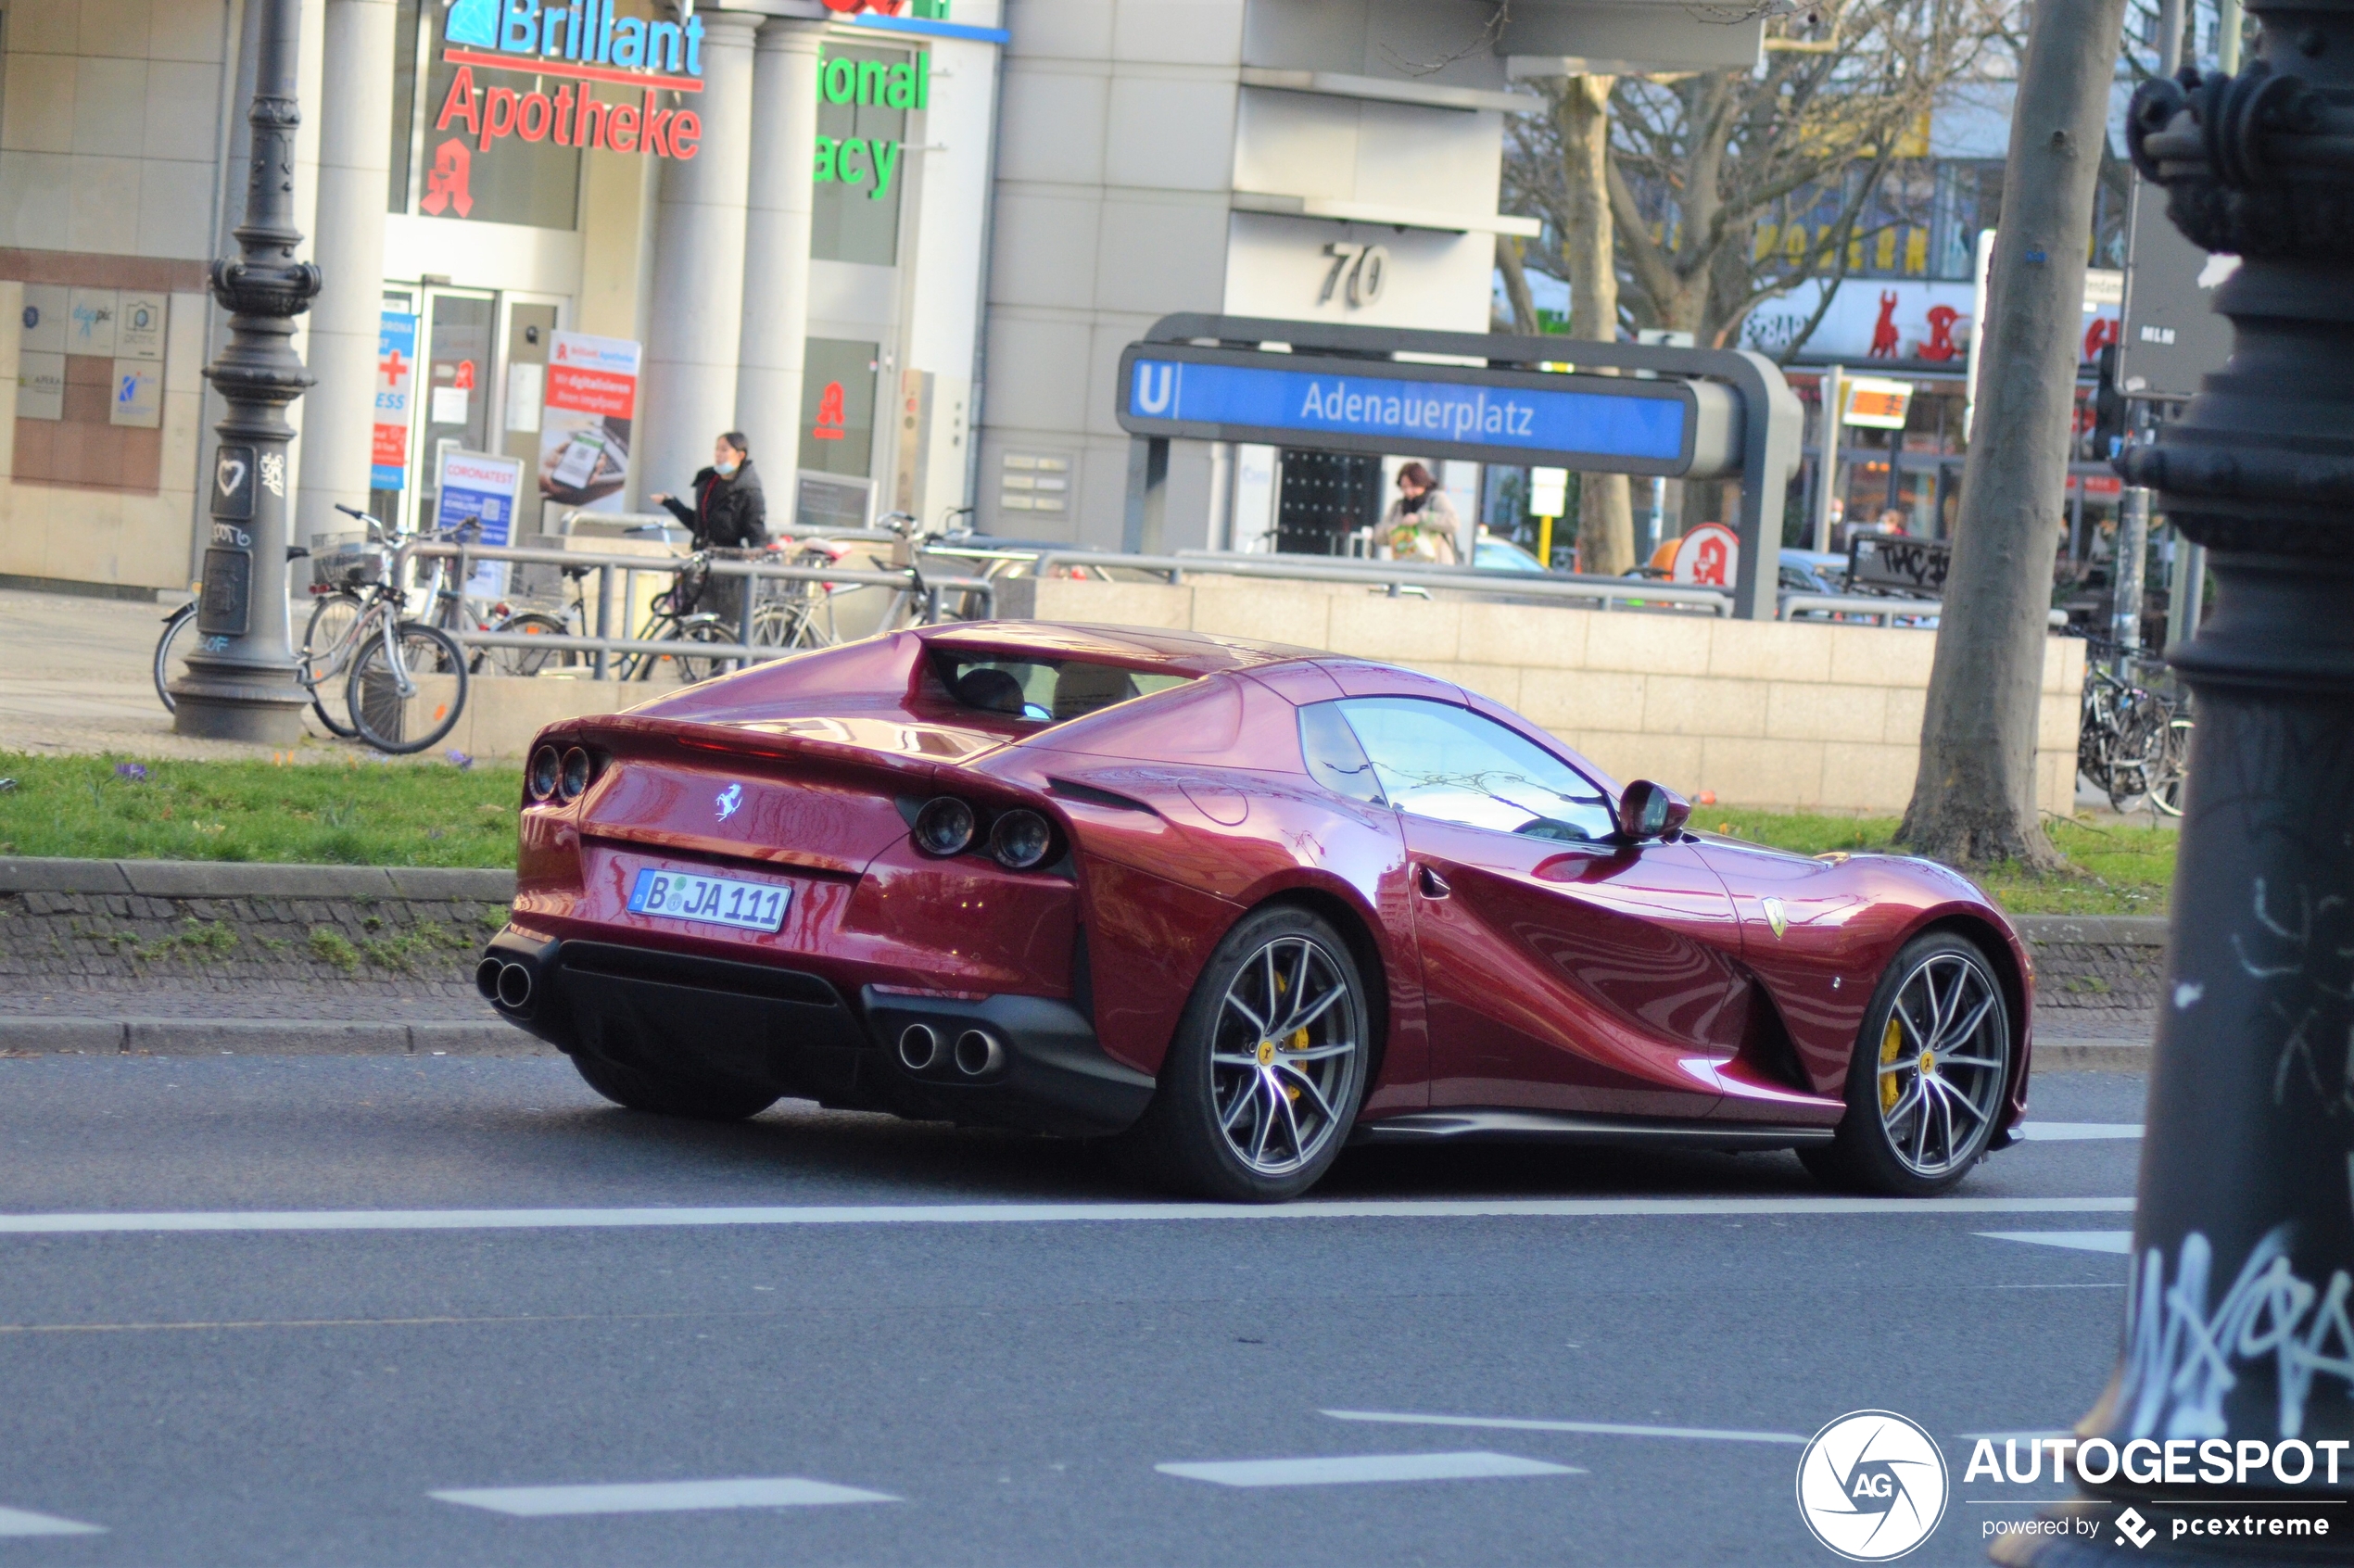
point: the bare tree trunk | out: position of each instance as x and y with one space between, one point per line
1523 304
1974 798
1606 516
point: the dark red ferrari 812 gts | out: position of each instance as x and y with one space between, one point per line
1236 903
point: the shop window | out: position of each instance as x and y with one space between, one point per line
450 172
864 97
838 406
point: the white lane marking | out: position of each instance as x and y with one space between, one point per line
22 1522
2078 1131
2119 1241
658 1497
1023 1213
1358 1469
1602 1428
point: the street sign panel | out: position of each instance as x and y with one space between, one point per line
2172 335
1580 422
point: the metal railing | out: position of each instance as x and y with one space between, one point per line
1399 576
1851 606
926 591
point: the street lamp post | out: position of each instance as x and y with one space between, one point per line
240 682
2239 1308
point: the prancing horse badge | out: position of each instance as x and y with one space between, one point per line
1776 918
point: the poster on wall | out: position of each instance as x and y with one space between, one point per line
479 488
584 430
396 381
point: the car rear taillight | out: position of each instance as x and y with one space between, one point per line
1020 840
545 774
945 825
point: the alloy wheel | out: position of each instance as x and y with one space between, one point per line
1941 1056
1284 1060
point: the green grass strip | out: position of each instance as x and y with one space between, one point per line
356 814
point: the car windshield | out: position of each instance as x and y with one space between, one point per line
1051 690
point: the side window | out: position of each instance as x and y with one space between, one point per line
1334 759
1450 764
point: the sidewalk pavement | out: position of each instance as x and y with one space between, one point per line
79 681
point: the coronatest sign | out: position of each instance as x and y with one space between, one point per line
586 43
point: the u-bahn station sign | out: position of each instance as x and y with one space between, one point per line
1692 414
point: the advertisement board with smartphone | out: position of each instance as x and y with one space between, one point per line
584 432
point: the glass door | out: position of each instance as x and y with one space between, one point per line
459 333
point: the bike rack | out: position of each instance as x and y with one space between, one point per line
603 643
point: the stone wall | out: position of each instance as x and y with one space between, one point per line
1797 715
262 933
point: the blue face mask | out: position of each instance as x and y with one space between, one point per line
727 469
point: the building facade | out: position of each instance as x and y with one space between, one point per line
898 243
587 234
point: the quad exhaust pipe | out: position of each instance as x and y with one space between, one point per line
979 1052
925 1050
919 1048
508 983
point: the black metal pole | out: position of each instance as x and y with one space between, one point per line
240 681
2239 1310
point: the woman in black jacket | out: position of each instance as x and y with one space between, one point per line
728 513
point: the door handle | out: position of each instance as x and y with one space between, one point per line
1433 885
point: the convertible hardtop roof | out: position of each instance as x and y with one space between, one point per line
1194 654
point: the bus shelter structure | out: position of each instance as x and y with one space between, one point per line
1684 414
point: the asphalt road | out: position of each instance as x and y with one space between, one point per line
505 1350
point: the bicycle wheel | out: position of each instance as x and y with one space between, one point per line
701 629
531 660
2166 796
326 653
640 667
2137 752
791 625
392 720
175 626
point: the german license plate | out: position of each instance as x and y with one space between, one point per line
713 901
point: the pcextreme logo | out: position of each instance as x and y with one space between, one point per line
1872 1485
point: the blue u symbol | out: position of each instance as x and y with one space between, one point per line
1152 400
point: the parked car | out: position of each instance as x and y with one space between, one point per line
1235 903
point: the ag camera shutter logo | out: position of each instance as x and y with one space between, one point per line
1872 1485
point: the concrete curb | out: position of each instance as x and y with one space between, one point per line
227 879
2102 930
265 1037
2089 1056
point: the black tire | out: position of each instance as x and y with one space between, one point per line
664 1093
176 630
1969 1071
325 660
378 710
529 661
1182 1141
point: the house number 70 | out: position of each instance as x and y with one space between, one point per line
1361 270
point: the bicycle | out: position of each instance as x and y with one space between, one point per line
175 625
676 619
2133 742
357 632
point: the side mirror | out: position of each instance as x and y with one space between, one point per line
1650 810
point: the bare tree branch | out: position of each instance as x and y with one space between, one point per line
1484 39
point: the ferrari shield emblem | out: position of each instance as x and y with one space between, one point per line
1776 918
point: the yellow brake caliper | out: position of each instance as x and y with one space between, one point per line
1298 1042
1891 1045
